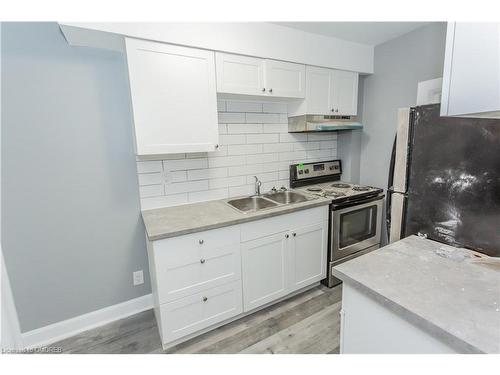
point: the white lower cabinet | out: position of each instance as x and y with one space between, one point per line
309 253
200 310
274 266
265 264
204 279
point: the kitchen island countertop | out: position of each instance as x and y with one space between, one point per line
436 287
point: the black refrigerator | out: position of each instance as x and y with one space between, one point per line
444 180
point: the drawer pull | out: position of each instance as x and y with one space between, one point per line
202 261
205 299
201 242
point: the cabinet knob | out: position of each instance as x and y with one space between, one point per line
286 236
336 110
294 234
216 146
333 110
263 89
201 242
205 299
270 90
202 261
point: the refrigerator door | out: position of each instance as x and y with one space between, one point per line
453 185
399 169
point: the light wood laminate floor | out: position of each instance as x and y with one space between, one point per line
306 323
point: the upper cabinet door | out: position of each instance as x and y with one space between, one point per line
471 76
283 79
240 74
318 90
174 98
345 93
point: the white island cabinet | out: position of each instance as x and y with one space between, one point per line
471 75
206 279
174 99
419 296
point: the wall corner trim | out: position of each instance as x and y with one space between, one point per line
70 327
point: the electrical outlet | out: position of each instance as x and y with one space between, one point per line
138 277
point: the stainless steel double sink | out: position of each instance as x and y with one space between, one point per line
268 200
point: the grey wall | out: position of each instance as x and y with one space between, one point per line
399 65
72 233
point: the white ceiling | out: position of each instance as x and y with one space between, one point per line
371 33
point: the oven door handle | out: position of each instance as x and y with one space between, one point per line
356 203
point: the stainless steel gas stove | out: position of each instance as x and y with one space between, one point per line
355 213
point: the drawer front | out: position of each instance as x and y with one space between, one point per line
282 223
196 269
201 310
177 248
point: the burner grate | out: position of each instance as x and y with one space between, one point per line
315 189
360 188
334 194
340 185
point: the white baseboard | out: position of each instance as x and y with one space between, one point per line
67 328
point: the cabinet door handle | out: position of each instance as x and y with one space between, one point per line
263 89
271 91
201 242
205 299
286 236
294 234
202 261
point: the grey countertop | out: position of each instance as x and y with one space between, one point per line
196 217
436 287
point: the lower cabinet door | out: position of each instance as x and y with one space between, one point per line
194 313
309 254
264 269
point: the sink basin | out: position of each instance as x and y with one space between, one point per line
251 204
286 197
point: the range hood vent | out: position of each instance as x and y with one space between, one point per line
320 123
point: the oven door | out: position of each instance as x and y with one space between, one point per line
355 228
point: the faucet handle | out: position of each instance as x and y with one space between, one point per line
274 190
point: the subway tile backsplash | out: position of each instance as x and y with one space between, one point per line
254 140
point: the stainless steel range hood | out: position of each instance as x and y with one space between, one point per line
319 123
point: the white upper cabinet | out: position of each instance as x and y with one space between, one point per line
245 75
328 92
239 74
174 98
319 90
471 75
284 79
345 93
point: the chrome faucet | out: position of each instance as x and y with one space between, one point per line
257 185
